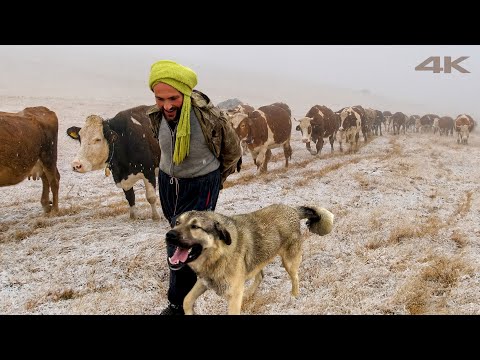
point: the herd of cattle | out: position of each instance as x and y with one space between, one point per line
270 126
124 145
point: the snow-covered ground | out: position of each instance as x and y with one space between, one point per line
406 237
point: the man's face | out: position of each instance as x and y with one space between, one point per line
169 100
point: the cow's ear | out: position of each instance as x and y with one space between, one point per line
223 233
297 128
73 132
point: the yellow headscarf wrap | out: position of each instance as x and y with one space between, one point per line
184 80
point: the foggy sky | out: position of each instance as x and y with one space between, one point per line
382 77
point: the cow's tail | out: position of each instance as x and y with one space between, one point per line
319 220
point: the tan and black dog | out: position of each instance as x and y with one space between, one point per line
226 251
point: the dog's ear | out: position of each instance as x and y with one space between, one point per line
223 233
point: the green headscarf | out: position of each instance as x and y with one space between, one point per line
184 80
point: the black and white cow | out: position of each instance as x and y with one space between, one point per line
320 122
124 145
411 121
351 119
425 123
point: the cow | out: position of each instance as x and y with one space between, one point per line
29 141
388 120
435 126
266 128
320 122
463 125
365 123
377 124
399 121
125 146
350 125
242 108
411 121
370 116
236 115
445 125
472 122
425 123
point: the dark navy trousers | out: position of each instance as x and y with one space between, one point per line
176 197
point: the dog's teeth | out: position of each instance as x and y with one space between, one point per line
189 250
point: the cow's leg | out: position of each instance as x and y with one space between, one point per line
244 147
50 181
331 139
266 159
54 186
260 160
50 170
254 156
309 148
130 196
340 140
45 199
357 136
287 151
151 198
319 146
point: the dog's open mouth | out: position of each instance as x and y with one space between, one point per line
183 256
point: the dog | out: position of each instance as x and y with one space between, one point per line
226 251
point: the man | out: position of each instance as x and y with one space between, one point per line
199 150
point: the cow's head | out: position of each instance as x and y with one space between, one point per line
305 126
236 119
95 138
349 118
243 128
463 133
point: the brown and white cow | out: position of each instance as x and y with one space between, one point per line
124 145
264 129
29 149
320 122
236 115
472 122
242 108
350 125
463 125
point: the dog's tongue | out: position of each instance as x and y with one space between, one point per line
180 255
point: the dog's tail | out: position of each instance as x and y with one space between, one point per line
319 220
